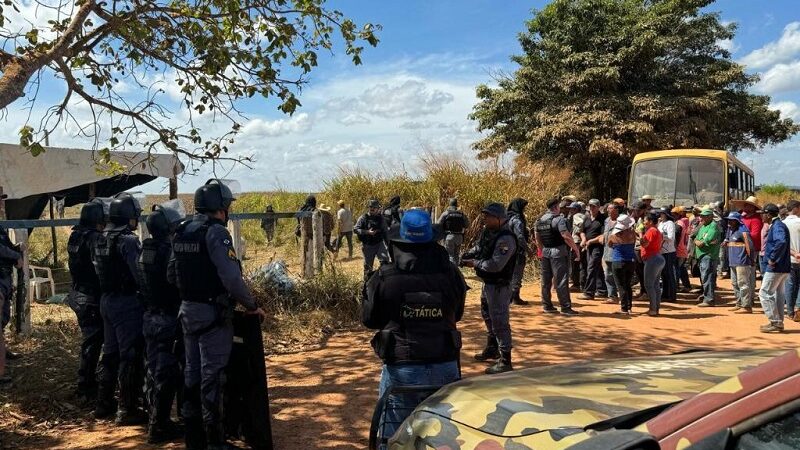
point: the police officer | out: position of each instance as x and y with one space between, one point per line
84 297
554 238
453 222
494 258
209 279
161 330
519 226
372 229
116 257
10 257
415 302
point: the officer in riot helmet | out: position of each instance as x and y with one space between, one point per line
208 274
10 257
116 257
162 335
84 296
372 229
494 258
453 222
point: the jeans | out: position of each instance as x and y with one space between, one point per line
595 281
623 274
578 272
708 276
773 296
399 406
611 284
554 269
682 274
349 236
519 272
652 273
741 278
793 289
669 282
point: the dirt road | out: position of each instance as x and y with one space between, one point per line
323 399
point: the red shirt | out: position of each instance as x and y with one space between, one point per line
681 246
653 247
754 224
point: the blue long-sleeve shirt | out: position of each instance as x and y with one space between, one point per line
776 248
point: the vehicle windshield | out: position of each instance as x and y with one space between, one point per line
679 181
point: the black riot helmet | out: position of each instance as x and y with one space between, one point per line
92 214
213 196
162 221
124 207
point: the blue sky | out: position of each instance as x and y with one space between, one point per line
415 90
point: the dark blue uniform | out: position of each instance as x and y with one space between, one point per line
209 277
84 299
161 330
8 259
116 256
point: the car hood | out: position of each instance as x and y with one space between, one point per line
565 399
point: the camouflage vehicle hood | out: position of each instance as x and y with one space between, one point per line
551 407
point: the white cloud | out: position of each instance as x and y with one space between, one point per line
416 125
780 78
257 128
785 49
353 119
729 45
789 110
411 98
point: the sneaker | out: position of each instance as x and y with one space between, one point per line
569 312
652 313
746 310
772 328
704 305
611 301
128 418
736 308
550 310
601 295
586 297
519 302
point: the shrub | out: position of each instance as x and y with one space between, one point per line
777 189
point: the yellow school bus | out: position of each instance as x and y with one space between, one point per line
689 177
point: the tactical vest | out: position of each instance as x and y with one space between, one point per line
157 292
374 223
81 267
196 274
455 222
422 328
113 272
487 244
550 236
5 241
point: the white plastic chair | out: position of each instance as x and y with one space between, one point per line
37 281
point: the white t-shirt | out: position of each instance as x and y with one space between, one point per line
667 229
792 222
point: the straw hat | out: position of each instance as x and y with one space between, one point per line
324 207
647 197
752 200
571 198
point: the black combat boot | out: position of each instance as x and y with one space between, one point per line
161 428
130 388
215 435
516 300
489 352
106 405
195 435
502 365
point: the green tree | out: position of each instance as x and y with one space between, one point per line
602 80
116 56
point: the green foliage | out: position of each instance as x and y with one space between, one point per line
777 189
256 202
602 80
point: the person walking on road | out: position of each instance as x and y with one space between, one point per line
344 221
778 265
415 302
741 258
494 258
623 260
592 242
453 222
708 240
554 238
519 226
653 262
372 231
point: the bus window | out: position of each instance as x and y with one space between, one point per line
656 178
700 181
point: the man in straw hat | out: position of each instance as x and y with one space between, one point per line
751 218
327 226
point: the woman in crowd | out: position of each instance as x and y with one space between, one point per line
666 225
682 248
653 262
623 260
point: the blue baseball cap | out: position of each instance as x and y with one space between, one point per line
735 216
416 227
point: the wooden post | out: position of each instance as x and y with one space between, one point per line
306 249
318 241
173 188
22 305
235 227
53 234
92 191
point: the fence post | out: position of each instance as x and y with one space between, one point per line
306 248
235 227
318 241
22 305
